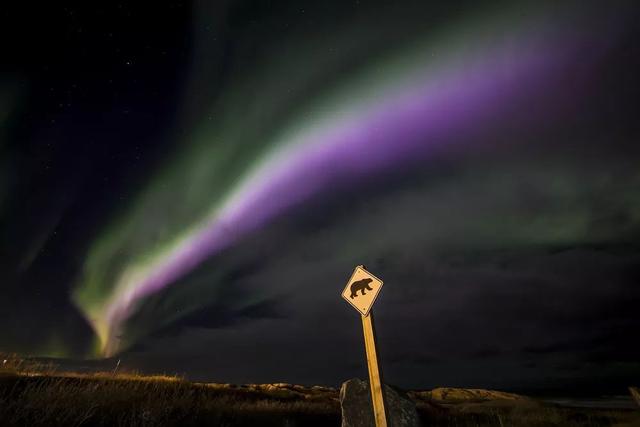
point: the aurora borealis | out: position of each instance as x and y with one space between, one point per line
382 130
484 161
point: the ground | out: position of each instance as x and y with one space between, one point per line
49 398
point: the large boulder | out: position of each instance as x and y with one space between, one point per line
357 411
635 393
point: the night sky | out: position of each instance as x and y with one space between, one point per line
187 187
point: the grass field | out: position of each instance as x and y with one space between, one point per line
39 396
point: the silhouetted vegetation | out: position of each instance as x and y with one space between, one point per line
36 395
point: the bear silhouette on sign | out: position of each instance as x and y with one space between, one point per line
360 285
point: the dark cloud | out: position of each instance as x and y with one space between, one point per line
553 309
478 272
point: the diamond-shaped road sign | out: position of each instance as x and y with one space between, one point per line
362 289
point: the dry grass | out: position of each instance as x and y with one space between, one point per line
13 364
36 395
103 400
541 416
523 412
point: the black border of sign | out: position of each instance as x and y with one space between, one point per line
375 297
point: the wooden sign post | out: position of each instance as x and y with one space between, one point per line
361 292
375 375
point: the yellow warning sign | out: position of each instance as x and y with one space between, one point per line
361 290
